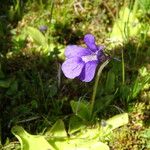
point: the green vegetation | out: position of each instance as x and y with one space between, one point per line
35 96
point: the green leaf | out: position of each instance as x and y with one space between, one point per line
124 92
13 88
139 85
145 5
5 83
103 102
87 139
35 142
30 142
127 25
117 121
75 124
143 71
52 90
57 130
81 109
97 131
146 133
110 82
37 36
78 144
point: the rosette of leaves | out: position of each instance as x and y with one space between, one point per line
80 135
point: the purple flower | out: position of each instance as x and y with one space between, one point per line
43 28
82 62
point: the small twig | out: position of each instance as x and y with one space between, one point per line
59 75
78 5
29 119
109 10
119 109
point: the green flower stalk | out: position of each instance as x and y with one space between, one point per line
96 84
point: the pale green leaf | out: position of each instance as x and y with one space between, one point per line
87 139
34 142
30 142
57 130
118 120
37 36
80 144
127 25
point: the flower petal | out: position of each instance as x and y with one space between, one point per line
100 47
76 51
89 40
100 51
72 67
88 71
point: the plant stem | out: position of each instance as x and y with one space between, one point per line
96 84
123 68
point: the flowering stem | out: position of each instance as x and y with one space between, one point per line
123 68
96 84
